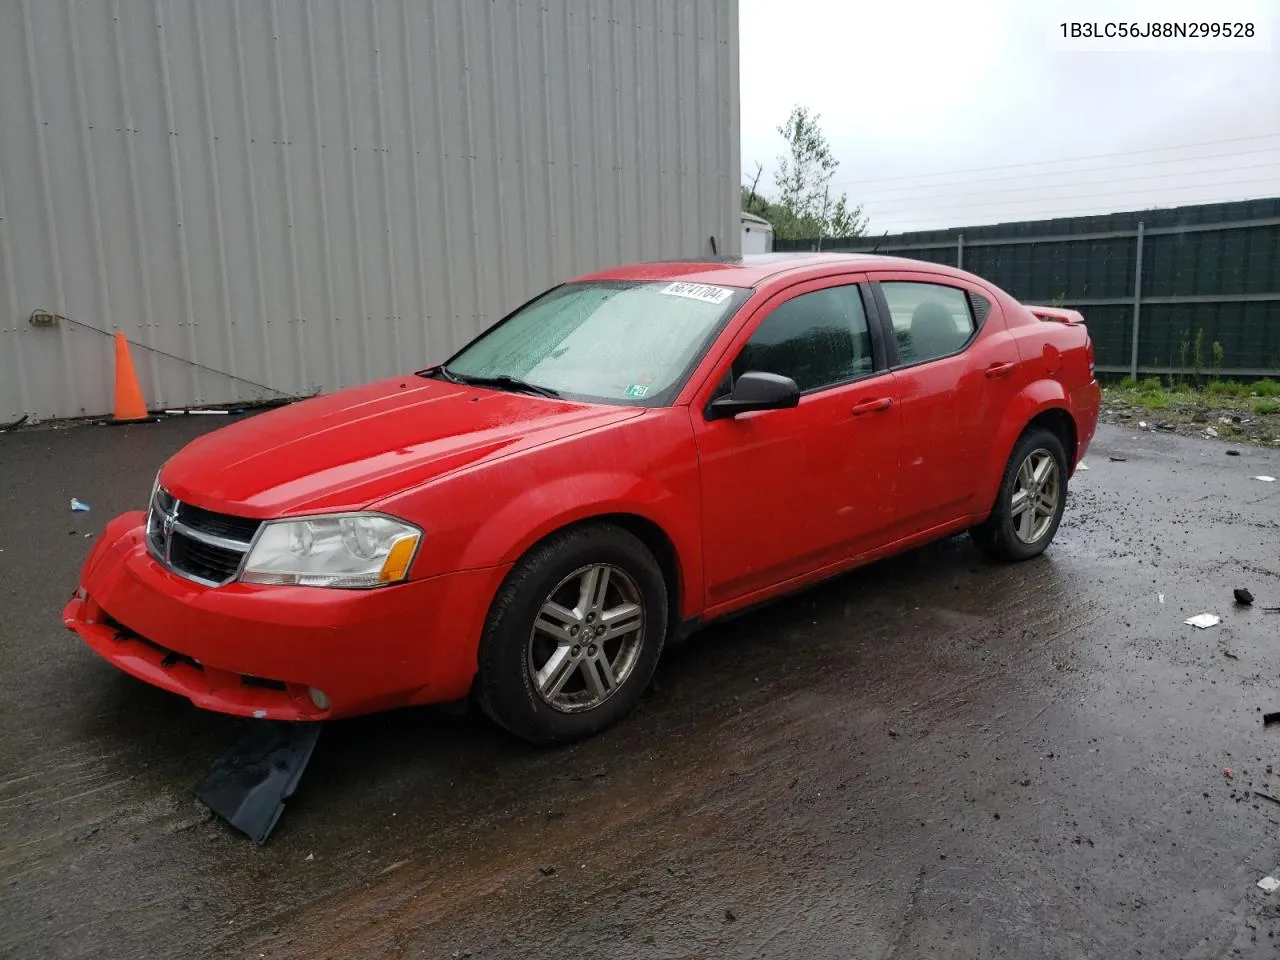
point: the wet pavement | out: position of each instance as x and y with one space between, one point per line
933 757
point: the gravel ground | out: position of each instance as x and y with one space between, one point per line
934 757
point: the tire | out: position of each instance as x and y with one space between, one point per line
1008 534
541 672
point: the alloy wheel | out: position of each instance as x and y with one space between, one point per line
1036 493
586 638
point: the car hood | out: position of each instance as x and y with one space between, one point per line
349 449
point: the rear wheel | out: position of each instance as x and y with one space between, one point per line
1032 497
573 636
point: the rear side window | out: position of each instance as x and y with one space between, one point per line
929 320
817 339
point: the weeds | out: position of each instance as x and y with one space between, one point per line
1227 388
1162 400
1150 393
1265 388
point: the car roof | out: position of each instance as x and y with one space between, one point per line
753 269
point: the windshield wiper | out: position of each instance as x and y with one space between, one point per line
502 382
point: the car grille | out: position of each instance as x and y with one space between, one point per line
195 543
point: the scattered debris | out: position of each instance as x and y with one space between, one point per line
1269 718
1233 453
15 424
88 535
547 870
1265 479
179 413
1142 424
730 916
1210 432
1270 609
1118 459
1161 596
1226 771
1082 465
310 856
248 785
1243 596
78 507
1230 656
1204 621
1167 426
1266 796
1269 884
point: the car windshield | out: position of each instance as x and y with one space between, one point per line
613 342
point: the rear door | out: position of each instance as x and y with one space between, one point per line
956 367
788 492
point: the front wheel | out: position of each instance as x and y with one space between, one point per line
573 636
1032 497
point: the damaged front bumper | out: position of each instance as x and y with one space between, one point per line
279 653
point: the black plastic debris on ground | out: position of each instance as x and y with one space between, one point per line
248 785
1243 596
1269 718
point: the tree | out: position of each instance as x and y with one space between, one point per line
805 208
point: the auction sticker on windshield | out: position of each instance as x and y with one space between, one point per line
698 291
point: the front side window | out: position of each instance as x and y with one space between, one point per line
817 339
929 320
610 341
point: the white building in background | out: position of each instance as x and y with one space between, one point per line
757 234
275 198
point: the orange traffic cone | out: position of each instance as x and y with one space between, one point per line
130 407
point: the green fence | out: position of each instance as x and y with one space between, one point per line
1152 284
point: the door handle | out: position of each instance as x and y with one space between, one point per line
999 371
872 406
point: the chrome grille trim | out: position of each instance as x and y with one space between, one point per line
167 526
213 540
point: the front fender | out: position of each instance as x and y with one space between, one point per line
1034 399
539 511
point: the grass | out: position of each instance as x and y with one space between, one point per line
1152 400
1227 388
1199 406
1151 393
1265 388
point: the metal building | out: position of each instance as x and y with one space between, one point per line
273 197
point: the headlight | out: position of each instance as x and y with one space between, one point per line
352 550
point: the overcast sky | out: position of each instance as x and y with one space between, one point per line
920 102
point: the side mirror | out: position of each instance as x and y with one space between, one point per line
756 391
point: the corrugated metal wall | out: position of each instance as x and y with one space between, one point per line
307 194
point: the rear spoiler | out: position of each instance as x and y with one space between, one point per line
1056 314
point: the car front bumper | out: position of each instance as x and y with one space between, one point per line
260 651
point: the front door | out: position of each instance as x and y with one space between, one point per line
788 492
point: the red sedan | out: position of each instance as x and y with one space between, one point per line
620 460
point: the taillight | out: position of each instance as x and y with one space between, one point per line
1088 348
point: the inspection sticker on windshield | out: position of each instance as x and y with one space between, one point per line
638 390
698 291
